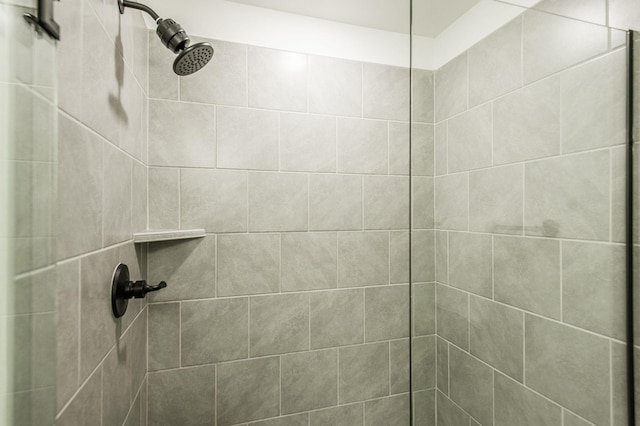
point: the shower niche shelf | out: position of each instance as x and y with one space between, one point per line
152 236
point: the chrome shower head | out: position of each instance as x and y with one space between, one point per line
193 58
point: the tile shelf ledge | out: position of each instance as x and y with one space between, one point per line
152 235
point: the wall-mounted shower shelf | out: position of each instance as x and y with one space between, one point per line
153 236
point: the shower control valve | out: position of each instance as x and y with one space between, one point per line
122 289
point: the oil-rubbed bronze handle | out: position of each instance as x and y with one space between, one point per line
123 289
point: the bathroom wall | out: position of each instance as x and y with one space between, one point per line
529 212
294 308
102 180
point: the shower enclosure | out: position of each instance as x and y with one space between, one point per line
413 213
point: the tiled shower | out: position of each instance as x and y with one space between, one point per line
384 245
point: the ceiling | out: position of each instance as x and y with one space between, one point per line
431 17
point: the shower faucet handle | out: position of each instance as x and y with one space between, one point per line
139 289
122 289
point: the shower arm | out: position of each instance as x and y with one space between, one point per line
134 5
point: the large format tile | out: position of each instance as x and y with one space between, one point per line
399 257
470 262
496 336
363 146
296 420
278 324
186 396
471 384
448 413
527 274
624 14
399 148
391 411
213 331
423 362
517 405
386 202
164 336
278 202
163 82
422 256
363 372
442 365
309 381
182 134
452 310
569 366
363 259
424 309
441 261
422 96
116 202
215 200
248 264
307 143
422 149
386 313
385 92
424 407
423 203
337 318
335 202
335 86
568 197
399 366
344 415
309 261
248 390
86 407
471 139
452 202
277 79
68 336
451 88
247 139
583 10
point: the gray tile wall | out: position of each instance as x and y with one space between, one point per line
528 256
294 309
102 184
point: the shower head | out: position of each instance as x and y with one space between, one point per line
190 58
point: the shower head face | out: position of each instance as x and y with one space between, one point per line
193 58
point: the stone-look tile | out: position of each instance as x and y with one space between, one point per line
309 261
423 203
399 257
399 145
570 419
470 262
223 81
32 139
164 198
33 356
335 202
568 197
543 55
496 336
307 143
619 382
593 287
452 202
85 408
213 331
424 309
277 79
386 202
363 372
116 398
386 313
470 140
363 146
278 324
337 318
133 418
247 139
163 82
442 365
589 10
164 336
182 397
69 62
496 200
213 199
309 381
471 385
451 88
569 366
423 87
526 123
278 202
137 348
441 136
188 267
80 165
385 92
67 337
422 149
495 64
517 405
452 310
335 86
182 134
618 194
116 204
399 366
248 390
448 413
248 264
391 411
344 415
423 362
297 420
33 196
442 257
593 104
363 258
139 197
624 14
424 407
422 256
527 274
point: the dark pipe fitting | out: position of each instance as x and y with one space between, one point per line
122 289
172 35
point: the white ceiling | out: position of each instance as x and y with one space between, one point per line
431 17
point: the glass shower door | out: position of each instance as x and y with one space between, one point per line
27 220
